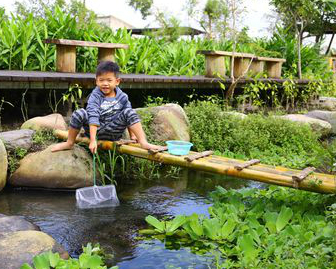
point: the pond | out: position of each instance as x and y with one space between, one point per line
116 228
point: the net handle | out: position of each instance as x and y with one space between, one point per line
94 168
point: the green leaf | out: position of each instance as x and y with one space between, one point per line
196 227
41 261
284 217
159 225
54 259
26 266
95 261
228 228
173 225
247 246
270 218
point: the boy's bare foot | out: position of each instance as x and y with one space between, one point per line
61 146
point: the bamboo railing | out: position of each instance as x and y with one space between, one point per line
276 175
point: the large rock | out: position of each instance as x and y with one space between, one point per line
18 139
327 116
169 122
3 165
17 248
63 169
317 125
51 122
325 103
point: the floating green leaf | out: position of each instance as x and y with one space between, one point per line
159 225
284 217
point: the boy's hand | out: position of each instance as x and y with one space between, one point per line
93 146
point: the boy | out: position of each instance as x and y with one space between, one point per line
107 115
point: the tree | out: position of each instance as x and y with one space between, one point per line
144 6
297 15
215 13
39 8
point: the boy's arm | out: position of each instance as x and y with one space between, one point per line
93 141
131 134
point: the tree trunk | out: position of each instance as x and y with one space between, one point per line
299 54
329 46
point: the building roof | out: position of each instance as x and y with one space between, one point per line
109 20
183 31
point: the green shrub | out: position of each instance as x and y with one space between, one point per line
272 140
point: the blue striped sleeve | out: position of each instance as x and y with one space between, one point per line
93 107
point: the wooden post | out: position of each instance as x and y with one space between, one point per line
214 66
66 58
241 65
106 54
257 67
273 69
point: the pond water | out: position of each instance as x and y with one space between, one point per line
116 228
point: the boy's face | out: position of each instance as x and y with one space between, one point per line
107 82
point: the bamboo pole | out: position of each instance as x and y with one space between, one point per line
315 182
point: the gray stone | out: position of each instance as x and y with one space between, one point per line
49 122
325 103
169 122
328 116
17 248
62 169
3 165
317 125
18 139
15 223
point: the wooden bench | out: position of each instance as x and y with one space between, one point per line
66 52
272 66
215 62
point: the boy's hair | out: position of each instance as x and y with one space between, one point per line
107 66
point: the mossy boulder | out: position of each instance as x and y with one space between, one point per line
327 116
317 125
3 165
49 122
17 248
169 122
63 169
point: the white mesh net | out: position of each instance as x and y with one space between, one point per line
97 196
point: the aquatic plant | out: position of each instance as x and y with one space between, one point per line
252 228
91 258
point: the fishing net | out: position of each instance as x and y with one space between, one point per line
96 196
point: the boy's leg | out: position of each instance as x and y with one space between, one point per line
137 130
78 119
72 134
128 118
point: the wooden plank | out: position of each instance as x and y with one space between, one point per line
154 151
226 53
198 155
303 174
269 59
240 167
82 43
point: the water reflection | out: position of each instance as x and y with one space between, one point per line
115 228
